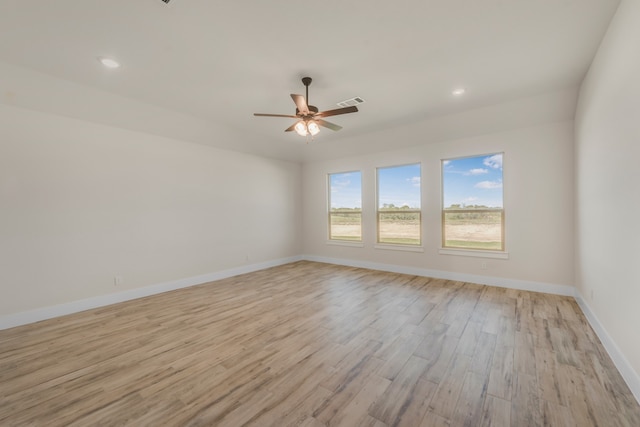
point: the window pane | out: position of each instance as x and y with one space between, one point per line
399 215
345 206
399 227
473 212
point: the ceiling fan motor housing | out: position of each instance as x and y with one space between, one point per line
312 109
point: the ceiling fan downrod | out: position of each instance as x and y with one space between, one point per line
306 81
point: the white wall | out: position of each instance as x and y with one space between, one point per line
607 184
538 197
81 203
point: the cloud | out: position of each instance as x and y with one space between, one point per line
478 171
470 199
446 162
494 162
415 180
341 182
488 185
412 204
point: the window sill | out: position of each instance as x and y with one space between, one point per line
475 253
345 243
404 248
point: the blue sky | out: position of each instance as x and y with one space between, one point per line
467 181
399 186
346 190
473 181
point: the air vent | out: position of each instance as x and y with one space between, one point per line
350 102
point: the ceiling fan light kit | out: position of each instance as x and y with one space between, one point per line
304 128
309 119
313 127
301 128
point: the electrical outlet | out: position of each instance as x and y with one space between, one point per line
117 280
483 265
248 258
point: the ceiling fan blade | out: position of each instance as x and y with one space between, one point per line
337 111
327 124
301 103
275 115
292 127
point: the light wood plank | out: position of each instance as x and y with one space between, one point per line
501 377
556 415
400 393
434 420
316 344
525 403
418 406
445 399
523 356
471 400
357 411
496 413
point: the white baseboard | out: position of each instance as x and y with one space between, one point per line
630 376
501 282
31 316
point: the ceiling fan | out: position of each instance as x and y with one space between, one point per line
309 119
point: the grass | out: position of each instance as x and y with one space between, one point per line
475 230
463 218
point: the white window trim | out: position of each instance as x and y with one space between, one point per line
402 248
479 253
390 246
336 242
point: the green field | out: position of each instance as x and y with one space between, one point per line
464 229
346 224
399 227
473 229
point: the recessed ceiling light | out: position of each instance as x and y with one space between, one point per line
108 62
458 92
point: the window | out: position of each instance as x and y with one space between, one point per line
345 206
472 208
399 215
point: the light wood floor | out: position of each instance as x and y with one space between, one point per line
314 344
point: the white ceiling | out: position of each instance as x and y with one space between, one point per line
198 69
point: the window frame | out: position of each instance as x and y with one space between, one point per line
330 239
488 252
417 247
